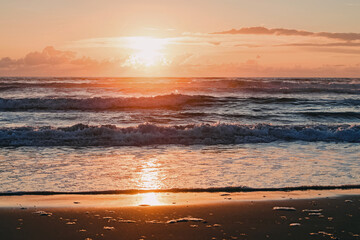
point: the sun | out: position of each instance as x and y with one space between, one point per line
147 52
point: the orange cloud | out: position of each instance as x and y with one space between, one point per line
337 44
51 61
252 68
291 32
48 56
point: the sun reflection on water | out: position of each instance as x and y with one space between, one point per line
149 179
149 175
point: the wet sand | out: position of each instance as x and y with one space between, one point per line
224 216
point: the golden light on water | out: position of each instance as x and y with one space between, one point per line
149 175
148 52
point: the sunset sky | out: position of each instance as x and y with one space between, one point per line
228 38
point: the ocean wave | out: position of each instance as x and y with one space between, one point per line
340 115
159 101
151 134
251 85
98 103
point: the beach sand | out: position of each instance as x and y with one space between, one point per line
279 215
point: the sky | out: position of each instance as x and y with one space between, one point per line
173 38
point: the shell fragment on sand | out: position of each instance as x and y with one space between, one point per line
284 208
312 210
154 222
71 223
126 221
108 228
186 219
315 214
43 213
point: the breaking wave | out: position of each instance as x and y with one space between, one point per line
151 134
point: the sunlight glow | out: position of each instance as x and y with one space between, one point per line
148 52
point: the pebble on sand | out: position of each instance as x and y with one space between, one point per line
43 213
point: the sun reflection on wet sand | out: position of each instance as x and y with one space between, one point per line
151 199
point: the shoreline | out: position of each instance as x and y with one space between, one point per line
164 198
280 215
187 190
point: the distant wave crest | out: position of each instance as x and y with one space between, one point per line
150 134
160 101
252 85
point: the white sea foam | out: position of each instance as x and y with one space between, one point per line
186 219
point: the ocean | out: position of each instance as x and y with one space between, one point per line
115 134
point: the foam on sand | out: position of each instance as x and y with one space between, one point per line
284 208
186 219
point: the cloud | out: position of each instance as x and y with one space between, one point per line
337 44
54 62
48 56
51 61
126 42
334 50
7 62
291 32
252 68
338 47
